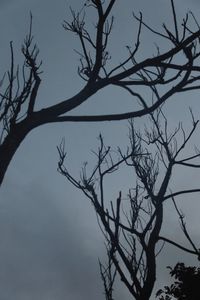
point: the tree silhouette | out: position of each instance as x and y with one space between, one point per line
185 286
20 85
132 224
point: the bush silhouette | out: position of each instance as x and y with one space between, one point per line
185 286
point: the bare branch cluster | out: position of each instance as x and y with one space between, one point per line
156 73
163 74
132 223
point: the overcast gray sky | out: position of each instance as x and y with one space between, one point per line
50 242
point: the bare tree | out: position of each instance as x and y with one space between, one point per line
19 86
132 224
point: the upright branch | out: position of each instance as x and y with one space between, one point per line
18 94
132 223
18 97
108 275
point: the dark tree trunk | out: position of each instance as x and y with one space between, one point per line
10 146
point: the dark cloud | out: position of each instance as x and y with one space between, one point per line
43 255
4 3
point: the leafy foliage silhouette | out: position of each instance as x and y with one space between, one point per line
185 286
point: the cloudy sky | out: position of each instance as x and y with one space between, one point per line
50 242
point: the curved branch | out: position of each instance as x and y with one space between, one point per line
177 245
181 193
